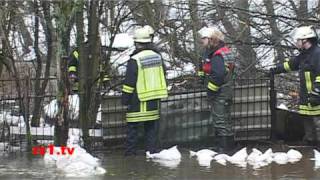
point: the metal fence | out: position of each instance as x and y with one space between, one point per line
184 114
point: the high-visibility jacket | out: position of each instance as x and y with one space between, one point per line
221 68
308 65
144 86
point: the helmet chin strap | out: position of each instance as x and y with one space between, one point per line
303 45
315 31
303 42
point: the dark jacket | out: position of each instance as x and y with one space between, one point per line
218 74
73 63
308 65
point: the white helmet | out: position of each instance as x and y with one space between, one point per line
142 35
206 32
304 32
211 32
149 29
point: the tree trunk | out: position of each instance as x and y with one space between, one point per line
4 62
276 36
89 65
193 8
38 94
40 90
64 13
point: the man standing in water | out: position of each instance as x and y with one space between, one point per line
143 87
218 68
308 65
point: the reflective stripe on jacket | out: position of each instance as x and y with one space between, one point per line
220 73
308 65
151 83
144 63
73 62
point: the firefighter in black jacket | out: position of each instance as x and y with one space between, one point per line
308 65
218 68
143 87
73 71
73 65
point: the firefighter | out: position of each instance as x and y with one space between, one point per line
73 65
150 30
218 68
104 79
308 65
143 87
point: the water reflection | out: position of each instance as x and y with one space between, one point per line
26 166
172 164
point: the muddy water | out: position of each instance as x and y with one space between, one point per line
27 166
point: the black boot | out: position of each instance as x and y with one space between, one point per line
227 143
217 144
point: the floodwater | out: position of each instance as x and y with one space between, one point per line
28 166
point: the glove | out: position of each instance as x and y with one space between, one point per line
271 72
314 99
314 96
201 80
316 88
207 67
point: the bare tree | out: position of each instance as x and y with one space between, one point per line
64 12
4 62
194 14
38 87
89 65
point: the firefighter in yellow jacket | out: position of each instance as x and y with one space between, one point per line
143 87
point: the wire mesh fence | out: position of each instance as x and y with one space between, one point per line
184 114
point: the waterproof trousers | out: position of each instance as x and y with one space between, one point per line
220 114
312 130
150 130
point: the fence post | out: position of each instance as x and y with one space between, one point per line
273 104
26 104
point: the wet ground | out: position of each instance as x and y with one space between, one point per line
28 166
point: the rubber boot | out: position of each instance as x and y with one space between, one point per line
227 144
217 144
